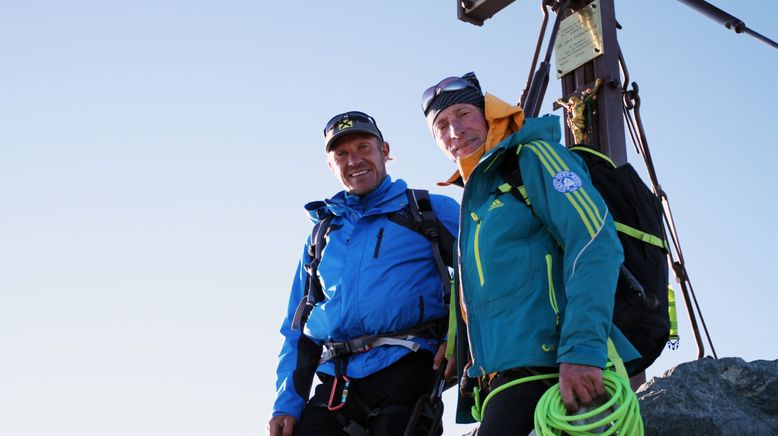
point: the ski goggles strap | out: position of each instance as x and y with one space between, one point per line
445 85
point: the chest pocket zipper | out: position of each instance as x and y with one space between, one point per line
378 243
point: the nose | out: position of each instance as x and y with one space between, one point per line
354 159
455 129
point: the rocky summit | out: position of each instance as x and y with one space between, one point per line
712 397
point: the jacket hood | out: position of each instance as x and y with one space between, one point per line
546 128
389 196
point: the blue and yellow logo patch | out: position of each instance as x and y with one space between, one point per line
567 181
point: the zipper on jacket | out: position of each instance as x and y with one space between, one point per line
378 243
476 249
421 309
551 292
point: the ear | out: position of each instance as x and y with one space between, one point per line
385 151
332 167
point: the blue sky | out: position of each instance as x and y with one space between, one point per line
155 157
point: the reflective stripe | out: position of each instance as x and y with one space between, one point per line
614 357
551 293
588 203
672 314
547 160
641 235
452 322
523 192
477 251
505 188
596 153
581 194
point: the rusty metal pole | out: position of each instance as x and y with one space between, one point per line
608 121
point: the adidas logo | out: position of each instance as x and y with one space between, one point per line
495 204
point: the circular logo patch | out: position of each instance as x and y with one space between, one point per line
567 181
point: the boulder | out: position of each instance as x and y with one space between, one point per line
712 397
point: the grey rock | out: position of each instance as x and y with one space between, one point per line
710 397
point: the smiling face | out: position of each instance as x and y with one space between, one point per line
460 130
359 162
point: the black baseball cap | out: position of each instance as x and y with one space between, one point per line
350 122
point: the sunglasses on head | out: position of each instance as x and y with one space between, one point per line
447 84
353 115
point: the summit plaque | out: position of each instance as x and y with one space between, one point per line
579 39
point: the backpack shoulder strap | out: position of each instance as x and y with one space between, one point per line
423 220
313 291
514 183
442 240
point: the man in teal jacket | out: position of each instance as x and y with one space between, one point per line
381 302
537 282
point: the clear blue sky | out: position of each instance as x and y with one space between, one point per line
155 157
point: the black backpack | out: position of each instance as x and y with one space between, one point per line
641 302
417 216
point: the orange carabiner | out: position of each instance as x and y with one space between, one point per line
343 395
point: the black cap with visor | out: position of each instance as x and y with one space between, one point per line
347 123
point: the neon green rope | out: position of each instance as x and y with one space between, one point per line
478 412
621 413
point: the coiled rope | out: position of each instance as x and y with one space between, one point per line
620 414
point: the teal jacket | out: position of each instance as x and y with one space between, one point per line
527 300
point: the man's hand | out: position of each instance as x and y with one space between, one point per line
451 364
579 384
281 425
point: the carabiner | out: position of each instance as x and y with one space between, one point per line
343 395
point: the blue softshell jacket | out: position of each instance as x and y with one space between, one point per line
377 277
528 301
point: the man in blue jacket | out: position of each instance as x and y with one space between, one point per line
381 303
537 279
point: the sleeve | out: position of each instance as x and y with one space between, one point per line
299 356
564 199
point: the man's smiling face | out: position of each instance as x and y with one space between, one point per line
359 161
460 130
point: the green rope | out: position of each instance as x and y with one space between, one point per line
620 414
479 408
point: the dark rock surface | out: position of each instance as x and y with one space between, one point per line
712 397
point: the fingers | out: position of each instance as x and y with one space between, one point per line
280 425
288 425
579 385
440 356
451 368
568 398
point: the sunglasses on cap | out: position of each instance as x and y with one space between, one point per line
447 84
349 116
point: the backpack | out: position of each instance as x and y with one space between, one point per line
641 301
417 216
